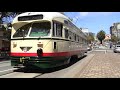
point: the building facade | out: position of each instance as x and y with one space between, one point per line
4 41
115 30
86 31
107 37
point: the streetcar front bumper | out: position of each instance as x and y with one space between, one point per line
44 62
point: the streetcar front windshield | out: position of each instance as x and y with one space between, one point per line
40 29
22 31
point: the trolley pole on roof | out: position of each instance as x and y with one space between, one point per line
62 13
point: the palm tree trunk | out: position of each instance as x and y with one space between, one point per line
101 42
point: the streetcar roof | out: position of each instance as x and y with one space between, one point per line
48 15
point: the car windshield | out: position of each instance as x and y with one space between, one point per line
40 29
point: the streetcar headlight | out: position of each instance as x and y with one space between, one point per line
39 52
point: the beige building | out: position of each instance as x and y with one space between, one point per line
115 29
107 37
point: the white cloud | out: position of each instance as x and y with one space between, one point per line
74 19
105 13
79 15
83 13
100 13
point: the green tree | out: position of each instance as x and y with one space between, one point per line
101 36
7 31
8 15
90 38
114 39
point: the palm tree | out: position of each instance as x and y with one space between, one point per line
101 36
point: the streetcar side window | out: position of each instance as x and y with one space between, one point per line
57 29
70 35
66 33
55 45
75 37
80 39
54 29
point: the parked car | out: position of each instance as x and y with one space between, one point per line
89 48
117 48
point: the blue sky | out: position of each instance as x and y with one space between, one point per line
94 21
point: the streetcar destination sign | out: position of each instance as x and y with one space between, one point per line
32 17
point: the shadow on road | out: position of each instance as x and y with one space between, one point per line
38 70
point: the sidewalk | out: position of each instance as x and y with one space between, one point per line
102 66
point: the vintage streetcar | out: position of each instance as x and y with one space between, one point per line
45 40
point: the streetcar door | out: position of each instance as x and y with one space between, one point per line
57 32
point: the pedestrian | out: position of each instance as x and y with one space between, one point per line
110 45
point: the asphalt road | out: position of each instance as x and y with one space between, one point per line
5 67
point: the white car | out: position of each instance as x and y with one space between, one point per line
117 49
89 49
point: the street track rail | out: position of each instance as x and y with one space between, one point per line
21 75
15 73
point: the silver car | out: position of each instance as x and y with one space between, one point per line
117 49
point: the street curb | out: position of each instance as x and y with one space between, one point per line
7 71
